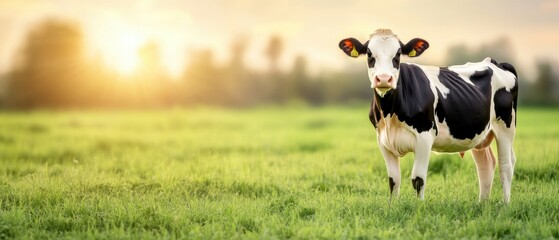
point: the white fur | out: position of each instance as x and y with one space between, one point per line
383 48
397 137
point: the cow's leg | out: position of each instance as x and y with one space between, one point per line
513 158
485 164
393 168
505 137
423 147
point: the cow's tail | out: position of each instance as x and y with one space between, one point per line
508 67
505 66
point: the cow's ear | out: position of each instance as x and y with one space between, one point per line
415 47
352 47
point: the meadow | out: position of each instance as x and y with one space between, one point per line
265 173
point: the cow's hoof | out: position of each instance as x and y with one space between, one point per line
417 184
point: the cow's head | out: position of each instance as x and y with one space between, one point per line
383 55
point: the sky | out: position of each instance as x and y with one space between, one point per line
115 30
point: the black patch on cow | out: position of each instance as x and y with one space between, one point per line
504 101
391 184
466 107
374 114
417 184
412 100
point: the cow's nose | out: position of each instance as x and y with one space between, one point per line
383 80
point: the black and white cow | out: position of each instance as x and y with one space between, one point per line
419 108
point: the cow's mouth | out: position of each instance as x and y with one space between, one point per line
382 90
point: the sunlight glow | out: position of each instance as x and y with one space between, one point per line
122 53
118 44
125 51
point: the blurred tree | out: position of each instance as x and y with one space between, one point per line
544 84
458 54
298 82
3 90
348 87
273 52
237 83
238 51
277 87
501 50
154 87
202 80
49 68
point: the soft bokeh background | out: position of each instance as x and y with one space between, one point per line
146 53
241 119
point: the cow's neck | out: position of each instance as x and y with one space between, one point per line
387 105
411 98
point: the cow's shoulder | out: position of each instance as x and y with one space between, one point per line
413 99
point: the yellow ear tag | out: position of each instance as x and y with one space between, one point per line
354 53
412 53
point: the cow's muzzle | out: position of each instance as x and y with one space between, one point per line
383 84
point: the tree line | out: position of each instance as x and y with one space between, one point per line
52 71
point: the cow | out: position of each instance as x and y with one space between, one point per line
420 109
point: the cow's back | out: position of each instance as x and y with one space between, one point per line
469 98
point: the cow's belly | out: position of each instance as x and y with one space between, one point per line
445 142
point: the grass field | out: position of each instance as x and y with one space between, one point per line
262 173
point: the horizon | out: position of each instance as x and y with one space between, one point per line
116 31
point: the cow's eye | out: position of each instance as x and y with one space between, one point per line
396 60
370 58
372 61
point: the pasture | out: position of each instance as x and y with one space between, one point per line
271 173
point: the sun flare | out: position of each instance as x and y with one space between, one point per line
119 49
126 53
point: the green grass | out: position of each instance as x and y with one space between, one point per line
263 173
